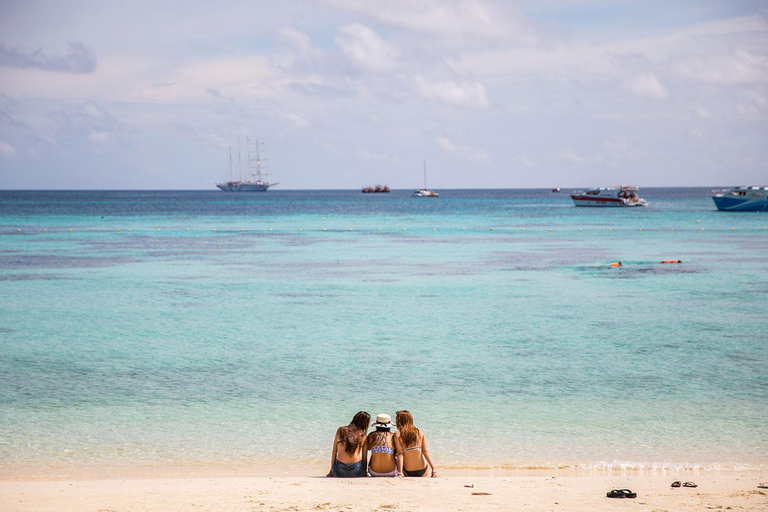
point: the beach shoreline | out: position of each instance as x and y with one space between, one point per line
312 469
545 490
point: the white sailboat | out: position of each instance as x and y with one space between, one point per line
425 192
250 185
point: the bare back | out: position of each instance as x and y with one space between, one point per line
382 446
413 457
341 454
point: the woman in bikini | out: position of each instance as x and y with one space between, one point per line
382 446
411 445
350 461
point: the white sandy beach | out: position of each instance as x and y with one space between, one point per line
542 491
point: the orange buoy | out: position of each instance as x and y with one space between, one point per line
672 261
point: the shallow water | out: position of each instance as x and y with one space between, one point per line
173 328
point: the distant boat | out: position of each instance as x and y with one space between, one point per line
425 192
556 189
378 189
741 199
250 185
625 195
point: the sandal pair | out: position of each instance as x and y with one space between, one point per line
686 484
621 493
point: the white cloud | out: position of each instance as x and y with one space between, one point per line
524 161
7 151
375 157
736 67
724 52
79 59
94 111
568 60
757 98
240 78
295 40
569 157
298 120
366 48
99 137
463 152
480 19
461 95
646 86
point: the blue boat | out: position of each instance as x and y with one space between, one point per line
742 199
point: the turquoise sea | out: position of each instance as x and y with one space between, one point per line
163 330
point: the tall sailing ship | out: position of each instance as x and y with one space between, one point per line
254 169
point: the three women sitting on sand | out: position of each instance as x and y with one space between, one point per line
403 453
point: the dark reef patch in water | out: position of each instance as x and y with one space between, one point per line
33 277
36 261
306 295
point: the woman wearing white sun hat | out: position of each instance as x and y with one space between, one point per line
381 442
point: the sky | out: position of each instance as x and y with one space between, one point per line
340 94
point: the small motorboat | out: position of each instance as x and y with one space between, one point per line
625 195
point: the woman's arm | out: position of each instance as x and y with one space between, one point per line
333 452
364 456
425 452
398 454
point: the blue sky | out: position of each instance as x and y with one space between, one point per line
346 93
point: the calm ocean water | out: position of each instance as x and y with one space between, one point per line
163 329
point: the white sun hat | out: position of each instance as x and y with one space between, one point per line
383 420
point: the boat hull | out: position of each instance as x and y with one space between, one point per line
244 187
741 204
605 202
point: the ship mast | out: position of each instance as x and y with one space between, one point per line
239 159
248 154
231 178
258 160
425 175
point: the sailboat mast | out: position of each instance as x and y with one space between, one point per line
231 178
425 174
248 149
258 161
239 159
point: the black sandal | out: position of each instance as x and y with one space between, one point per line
689 484
621 493
676 484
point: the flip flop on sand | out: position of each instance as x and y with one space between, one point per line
621 493
763 485
676 484
689 484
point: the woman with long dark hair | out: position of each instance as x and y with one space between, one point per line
411 444
381 443
350 461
